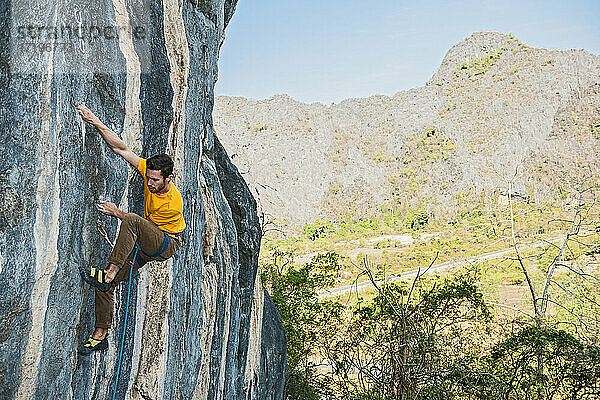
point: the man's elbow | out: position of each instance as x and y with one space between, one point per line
120 148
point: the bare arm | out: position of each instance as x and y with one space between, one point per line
111 138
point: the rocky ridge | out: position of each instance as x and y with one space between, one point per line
495 105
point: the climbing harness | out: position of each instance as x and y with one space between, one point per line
168 237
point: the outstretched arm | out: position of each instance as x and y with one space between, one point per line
111 138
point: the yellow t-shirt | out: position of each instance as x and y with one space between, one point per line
165 210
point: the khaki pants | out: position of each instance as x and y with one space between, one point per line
133 229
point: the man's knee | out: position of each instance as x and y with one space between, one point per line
130 219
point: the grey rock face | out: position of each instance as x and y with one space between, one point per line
200 325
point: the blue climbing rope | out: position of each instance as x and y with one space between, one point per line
137 247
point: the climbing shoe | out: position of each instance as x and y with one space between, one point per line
93 345
95 277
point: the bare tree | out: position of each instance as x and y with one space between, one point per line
570 259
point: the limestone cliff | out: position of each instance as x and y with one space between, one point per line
200 325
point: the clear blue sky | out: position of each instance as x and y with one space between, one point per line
330 50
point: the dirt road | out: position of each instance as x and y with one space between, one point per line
338 291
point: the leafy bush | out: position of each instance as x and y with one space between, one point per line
306 319
317 228
595 129
402 344
417 219
539 363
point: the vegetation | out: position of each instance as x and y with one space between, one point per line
404 340
450 336
479 66
539 362
307 320
260 128
417 219
595 129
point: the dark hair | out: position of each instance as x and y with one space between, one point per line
161 162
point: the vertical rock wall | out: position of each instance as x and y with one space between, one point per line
200 325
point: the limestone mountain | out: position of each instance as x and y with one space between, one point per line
494 106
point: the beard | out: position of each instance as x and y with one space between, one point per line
156 189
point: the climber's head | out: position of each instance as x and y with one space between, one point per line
159 171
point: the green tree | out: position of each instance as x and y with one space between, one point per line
405 343
417 219
570 368
308 320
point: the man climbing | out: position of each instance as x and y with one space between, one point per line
158 234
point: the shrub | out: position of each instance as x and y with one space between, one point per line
595 129
317 228
417 219
540 363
